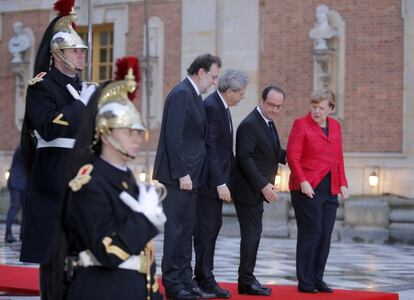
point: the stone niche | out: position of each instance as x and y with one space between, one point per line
328 35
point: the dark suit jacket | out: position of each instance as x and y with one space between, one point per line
18 176
311 154
219 142
182 146
257 159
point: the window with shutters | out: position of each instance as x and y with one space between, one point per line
102 51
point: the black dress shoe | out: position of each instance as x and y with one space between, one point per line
323 288
263 287
216 292
10 239
253 289
182 295
305 290
195 291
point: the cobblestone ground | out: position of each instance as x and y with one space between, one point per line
350 265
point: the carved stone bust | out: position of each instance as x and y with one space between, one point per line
19 42
322 30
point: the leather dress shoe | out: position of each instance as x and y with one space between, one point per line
9 239
195 291
182 295
216 292
307 290
263 287
253 289
324 288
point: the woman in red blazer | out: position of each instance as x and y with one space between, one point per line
315 158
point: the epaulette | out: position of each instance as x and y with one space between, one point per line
37 78
81 178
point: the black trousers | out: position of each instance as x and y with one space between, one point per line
52 281
180 210
16 202
315 219
208 225
250 220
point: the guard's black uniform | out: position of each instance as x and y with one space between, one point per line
53 113
98 220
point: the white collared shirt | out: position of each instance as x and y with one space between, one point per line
194 85
222 99
264 118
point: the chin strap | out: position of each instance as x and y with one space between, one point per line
60 54
118 147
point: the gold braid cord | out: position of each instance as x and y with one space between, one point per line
149 254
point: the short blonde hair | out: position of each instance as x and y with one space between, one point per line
321 95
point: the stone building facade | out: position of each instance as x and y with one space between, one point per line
268 39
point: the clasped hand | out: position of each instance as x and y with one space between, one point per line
269 193
186 183
224 193
85 94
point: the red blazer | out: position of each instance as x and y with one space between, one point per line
311 154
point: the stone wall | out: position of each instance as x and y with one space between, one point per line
384 219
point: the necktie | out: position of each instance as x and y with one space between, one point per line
230 121
272 129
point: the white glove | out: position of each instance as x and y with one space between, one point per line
85 94
148 204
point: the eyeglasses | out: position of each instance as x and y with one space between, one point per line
273 106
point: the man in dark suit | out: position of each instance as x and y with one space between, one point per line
16 184
258 153
180 164
231 89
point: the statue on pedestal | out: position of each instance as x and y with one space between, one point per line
322 30
22 50
328 38
19 43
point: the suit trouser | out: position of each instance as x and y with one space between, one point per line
16 202
315 219
180 210
250 220
208 224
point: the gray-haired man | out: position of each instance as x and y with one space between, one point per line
231 89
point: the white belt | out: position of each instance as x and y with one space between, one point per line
134 262
58 142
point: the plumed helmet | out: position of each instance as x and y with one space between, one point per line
59 35
64 36
119 114
114 107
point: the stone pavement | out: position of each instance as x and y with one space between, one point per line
350 265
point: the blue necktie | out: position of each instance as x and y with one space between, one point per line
230 121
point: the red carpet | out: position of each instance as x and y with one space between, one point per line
20 280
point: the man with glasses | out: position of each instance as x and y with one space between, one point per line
180 164
258 154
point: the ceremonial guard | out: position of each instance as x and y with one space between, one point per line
110 219
55 107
